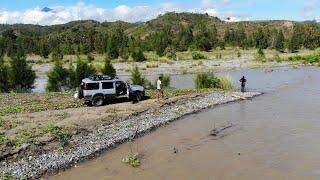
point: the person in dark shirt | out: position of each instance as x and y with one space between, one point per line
243 81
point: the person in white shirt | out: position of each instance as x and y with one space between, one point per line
159 87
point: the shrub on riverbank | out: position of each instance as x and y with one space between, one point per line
58 78
197 55
205 80
62 79
260 55
310 59
137 78
138 56
19 74
226 82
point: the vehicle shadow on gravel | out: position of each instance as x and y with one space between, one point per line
123 100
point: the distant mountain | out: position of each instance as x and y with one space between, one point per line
174 21
46 9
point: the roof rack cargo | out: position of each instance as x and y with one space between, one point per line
95 77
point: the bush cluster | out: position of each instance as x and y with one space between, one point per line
16 76
197 55
206 80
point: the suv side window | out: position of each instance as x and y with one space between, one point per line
107 85
92 86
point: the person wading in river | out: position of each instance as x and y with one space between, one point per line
159 88
243 81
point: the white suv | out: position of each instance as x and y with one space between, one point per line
97 89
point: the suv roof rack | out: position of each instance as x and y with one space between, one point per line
95 77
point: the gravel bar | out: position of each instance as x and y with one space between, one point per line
106 137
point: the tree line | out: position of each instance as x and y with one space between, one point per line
16 75
116 42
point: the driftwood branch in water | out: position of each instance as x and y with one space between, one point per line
239 97
216 132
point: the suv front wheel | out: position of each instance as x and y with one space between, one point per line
136 97
98 101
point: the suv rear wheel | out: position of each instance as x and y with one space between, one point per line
98 101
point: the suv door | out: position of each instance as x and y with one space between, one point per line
121 88
108 88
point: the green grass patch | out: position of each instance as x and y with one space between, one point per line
15 103
58 133
133 161
27 135
8 176
313 59
4 140
179 92
4 124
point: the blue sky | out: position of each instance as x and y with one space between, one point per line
29 11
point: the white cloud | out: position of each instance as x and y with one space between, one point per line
225 2
208 4
82 11
310 8
311 5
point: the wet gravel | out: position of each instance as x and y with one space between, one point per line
106 137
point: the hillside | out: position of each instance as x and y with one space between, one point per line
180 31
173 20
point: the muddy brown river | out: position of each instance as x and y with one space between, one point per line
274 136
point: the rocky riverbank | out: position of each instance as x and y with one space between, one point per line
109 136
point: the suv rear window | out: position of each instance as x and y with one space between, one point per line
107 85
92 86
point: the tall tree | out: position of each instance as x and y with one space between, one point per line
312 36
184 39
294 42
56 55
241 37
10 40
4 76
2 47
203 40
137 78
116 40
108 68
58 78
161 40
138 55
100 42
44 48
260 39
22 77
83 70
279 42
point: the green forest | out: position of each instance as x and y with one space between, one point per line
165 35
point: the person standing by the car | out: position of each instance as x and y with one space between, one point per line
243 81
159 87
